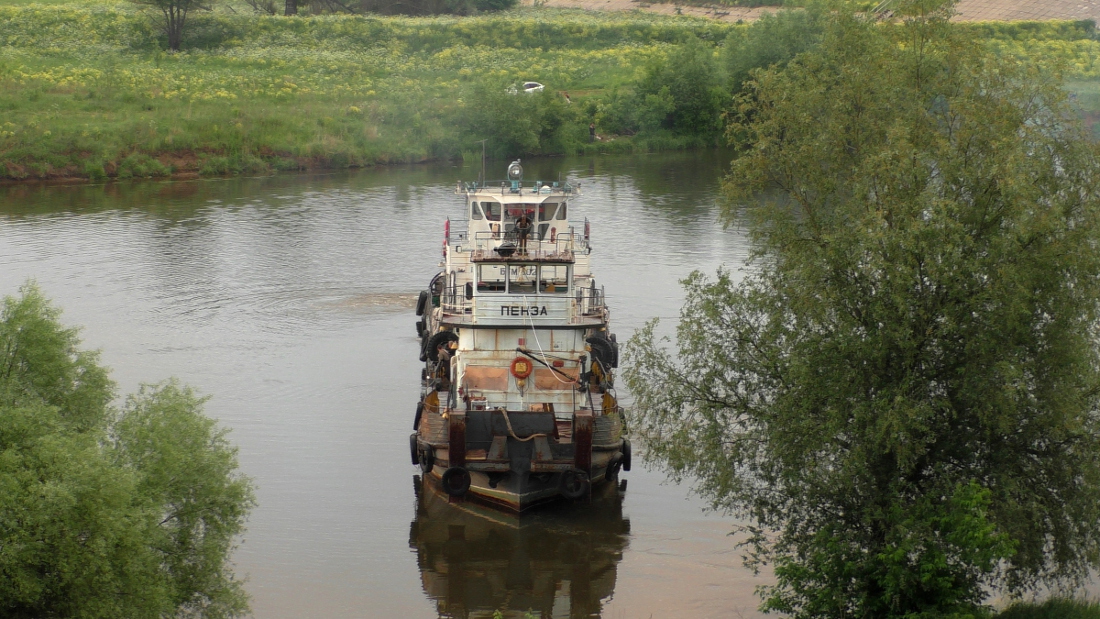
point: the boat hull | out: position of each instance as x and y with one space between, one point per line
518 491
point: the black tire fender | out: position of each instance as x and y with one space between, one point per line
413 447
613 466
430 353
626 454
574 484
456 481
602 350
427 459
416 420
422 302
435 287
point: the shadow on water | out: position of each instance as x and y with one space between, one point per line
662 181
676 187
559 562
177 200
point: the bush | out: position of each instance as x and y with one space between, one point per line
772 40
684 92
140 165
1055 608
519 123
108 512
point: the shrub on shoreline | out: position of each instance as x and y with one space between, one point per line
1055 608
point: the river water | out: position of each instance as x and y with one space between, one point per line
288 300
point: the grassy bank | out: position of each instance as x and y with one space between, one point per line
85 90
1057 608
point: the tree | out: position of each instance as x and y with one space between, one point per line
901 394
103 512
684 92
519 123
174 14
187 479
772 40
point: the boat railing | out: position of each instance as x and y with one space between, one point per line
590 301
584 304
550 247
457 231
457 299
514 187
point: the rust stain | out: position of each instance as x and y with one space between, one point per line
457 439
486 378
548 380
582 439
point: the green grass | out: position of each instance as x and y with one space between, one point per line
1087 95
1058 608
86 90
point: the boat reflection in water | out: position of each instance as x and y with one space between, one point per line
558 562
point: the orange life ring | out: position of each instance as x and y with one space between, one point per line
521 367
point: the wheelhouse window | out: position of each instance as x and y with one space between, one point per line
517 210
491 278
549 279
492 210
522 278
553 279
475 211
547 210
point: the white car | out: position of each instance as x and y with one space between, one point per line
532 87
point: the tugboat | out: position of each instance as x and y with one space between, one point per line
518 403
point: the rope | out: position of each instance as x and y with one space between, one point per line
538 344
512 432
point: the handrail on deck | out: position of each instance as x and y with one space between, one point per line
585 302
505 187
496 246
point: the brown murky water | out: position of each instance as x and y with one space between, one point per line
289 300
